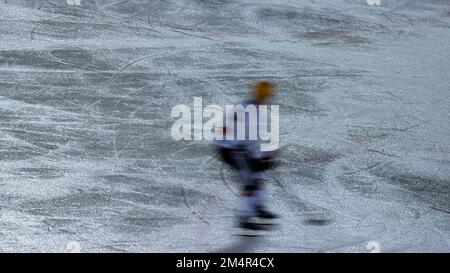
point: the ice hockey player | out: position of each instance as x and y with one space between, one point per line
246 158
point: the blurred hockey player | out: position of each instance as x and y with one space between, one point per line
246 158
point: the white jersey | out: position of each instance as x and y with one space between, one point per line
251 141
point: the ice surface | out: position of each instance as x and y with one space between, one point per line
85 99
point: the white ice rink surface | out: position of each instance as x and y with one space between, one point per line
86 154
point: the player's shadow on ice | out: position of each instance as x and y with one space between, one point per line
242 244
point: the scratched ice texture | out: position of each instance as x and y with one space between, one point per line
86 154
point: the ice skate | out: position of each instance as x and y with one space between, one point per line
265 217
248 226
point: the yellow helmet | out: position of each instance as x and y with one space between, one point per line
263 90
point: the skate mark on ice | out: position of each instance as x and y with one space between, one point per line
324 220
194 212
130 64
242 244
225 182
